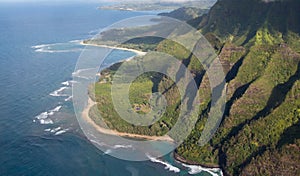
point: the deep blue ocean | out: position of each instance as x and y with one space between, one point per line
39 134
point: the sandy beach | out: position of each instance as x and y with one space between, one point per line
138 53
85 116
91 103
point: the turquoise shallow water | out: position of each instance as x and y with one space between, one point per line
39 134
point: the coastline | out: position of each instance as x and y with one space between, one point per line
137 52
86 117
180 159
194 167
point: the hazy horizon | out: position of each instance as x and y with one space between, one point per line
94 1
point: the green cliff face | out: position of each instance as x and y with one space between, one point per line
258 44
243 18
186 13
259 134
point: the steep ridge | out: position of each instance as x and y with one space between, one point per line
258 44
260 54
241 20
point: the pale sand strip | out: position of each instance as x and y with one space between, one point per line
139 53
85 116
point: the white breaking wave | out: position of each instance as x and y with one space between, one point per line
76 41
60 92
66 83
167 165
69 98
193 169
55 130
60 132
56 109
43 115
69 83
111 148
77 72
57 92
108 151
44 119
122 146
80 73
40 46
71 46
42 50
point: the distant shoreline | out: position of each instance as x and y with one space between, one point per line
137 52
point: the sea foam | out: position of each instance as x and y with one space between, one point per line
108 151
71 46
122 146
66 83
85 73
44 119
55 130
60 132
167 165
193 169
69 98
57 93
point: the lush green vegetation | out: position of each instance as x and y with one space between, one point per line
259 133
186 13
139 94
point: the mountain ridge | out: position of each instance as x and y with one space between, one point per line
232 18
258 44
